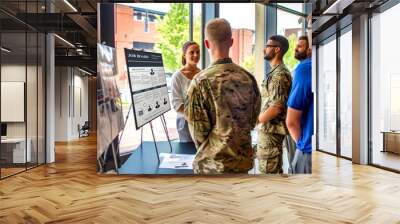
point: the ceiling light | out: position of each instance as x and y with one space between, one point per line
70 5
65 41
5 50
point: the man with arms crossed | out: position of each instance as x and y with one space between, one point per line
221 107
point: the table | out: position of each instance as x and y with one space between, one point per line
391 141
13 150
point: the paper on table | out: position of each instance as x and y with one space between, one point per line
176 161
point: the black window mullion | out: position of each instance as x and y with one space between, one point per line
191 21
26 86
316 98
338 95
37 90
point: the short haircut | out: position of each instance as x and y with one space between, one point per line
305 38
282 41
218 30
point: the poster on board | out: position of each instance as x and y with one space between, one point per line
148 85
110 119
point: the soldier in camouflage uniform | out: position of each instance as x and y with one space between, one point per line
275 91
222 106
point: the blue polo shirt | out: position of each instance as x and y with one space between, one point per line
301 98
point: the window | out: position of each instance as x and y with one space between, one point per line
22 65
243 32
197 27
290 25
143 45
327 96
138 16
152 18
149 36
346 94
385 88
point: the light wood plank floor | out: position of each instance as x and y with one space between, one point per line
70 191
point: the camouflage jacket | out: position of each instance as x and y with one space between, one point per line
222 107
275 91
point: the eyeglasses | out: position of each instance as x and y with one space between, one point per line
270 45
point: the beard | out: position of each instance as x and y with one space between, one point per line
300 55
268 57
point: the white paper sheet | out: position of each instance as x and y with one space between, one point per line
176 161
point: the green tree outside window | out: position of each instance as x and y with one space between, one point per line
174 32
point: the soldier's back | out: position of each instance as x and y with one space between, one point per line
233 100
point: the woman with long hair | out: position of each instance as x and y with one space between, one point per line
180 84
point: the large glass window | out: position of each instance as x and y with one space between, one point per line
166 35
346 93
22 90
385 89
197 27
327 96
13 77
291 26
243 32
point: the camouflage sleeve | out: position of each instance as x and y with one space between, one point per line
279 88
264 101
256 105
196 114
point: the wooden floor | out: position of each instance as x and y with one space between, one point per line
70 191
10 171
387 159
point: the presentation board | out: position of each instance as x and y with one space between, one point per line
148 86
12 101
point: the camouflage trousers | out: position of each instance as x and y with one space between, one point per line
269 153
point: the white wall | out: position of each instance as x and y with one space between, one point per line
13 73
33 126
61 103
71 102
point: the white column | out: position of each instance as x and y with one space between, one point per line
260 42
50 99
360 90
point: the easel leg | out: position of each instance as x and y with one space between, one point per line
115 157
141 138
154 140
100 164
166 131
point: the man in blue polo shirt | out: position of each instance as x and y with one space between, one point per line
300 114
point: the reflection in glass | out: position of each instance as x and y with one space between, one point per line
327 97
13 86
385 85
346 94
22 88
